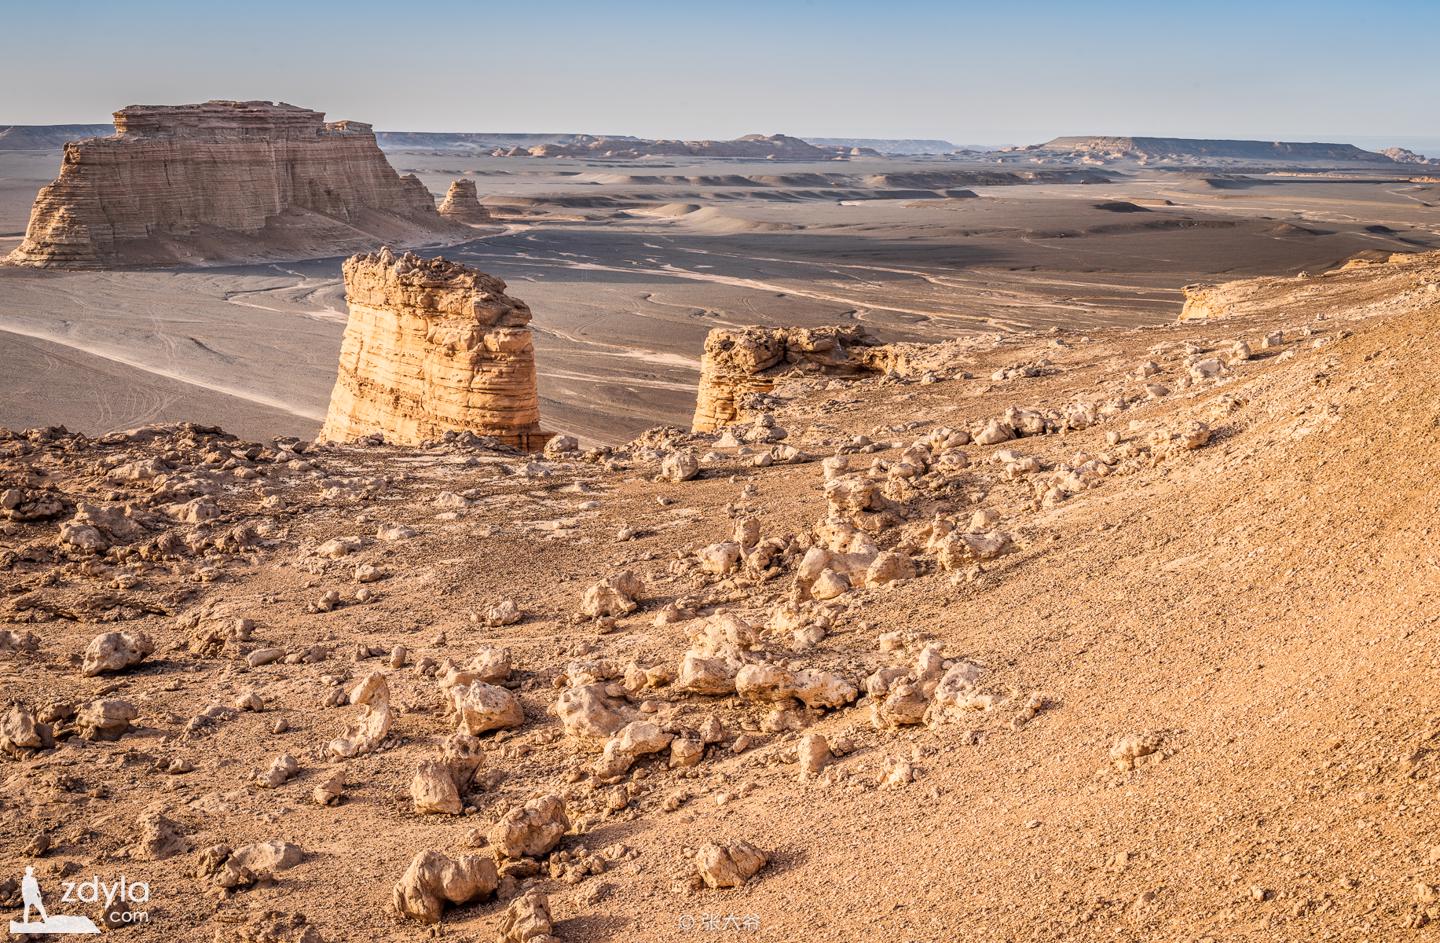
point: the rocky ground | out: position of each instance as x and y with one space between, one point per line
1058 636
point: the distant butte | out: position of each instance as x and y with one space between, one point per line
224 181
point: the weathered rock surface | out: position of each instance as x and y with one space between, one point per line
433 879
159 838
531 830
739 362
432 347
527 920
485 707
366 732
105 719
729 865
115 651
463 205
614 596
223 180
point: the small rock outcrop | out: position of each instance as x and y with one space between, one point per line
741 361
223 180
432 347
462 204
1203 303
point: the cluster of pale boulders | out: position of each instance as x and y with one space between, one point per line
435 879
23 731
932 689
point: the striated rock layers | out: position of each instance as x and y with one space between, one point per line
432 347
1367 283
462 205
739 362
224 181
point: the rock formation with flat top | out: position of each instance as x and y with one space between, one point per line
432 347
746 360
463 205
224 181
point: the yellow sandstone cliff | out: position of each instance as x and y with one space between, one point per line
222 181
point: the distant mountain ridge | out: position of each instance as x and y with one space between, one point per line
619 146
26 137
900 146
1152 149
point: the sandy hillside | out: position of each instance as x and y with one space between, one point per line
1162 670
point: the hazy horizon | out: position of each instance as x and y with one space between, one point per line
967 73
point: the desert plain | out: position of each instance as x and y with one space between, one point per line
628 264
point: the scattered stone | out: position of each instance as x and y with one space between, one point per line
813 755
531 830
898 772
330 789
264 656
369 729
679 466
159 838
527 920
20 733
106 719
271 926
115 651
438 785
268 858
505 612
484 707
614 596
434 879
634 740
284 767
728 865
1131 748
394 532
433 791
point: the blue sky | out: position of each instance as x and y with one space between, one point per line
970 72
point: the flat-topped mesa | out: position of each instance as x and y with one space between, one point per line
462 204
223 181
432 347
742 361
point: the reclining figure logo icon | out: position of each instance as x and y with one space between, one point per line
30 892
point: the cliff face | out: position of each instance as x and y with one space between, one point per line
432 347
739 362
223 180
462 204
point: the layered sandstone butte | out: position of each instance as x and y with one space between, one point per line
223 181
432 347
742 361
462 204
